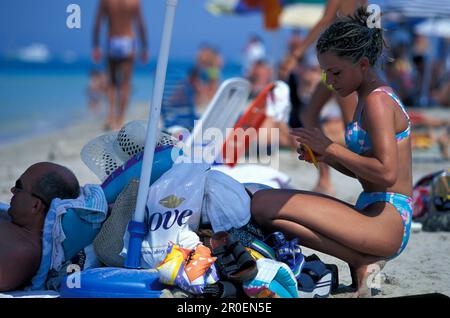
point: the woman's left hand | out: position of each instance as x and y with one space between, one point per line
315 139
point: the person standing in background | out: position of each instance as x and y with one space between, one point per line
121 51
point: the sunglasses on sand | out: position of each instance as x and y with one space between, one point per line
18 187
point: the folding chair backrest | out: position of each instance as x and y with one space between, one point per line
224 109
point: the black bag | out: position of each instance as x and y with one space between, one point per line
438 216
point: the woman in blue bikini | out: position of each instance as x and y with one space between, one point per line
378 154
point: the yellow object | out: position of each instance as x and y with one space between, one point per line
324 81
171 265
311 154
256 255
422 142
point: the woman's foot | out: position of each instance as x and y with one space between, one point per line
364 278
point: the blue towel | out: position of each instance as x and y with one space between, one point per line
91 205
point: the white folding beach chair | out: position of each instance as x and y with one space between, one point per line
223 111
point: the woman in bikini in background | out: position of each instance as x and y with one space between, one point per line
378 154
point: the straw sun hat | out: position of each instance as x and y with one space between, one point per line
105 153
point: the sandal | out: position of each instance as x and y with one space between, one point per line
234 262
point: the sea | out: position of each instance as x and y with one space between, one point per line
38 97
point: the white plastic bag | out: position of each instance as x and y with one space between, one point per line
173 210
226 204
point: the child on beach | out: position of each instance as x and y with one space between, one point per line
378 154
97 90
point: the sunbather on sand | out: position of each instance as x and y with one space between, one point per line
21 236
378 154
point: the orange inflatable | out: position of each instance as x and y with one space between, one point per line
253 117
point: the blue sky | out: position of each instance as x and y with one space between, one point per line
24 22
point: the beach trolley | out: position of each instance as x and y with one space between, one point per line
131 281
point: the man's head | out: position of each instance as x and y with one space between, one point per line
37 187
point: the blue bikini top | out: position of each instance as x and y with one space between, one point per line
358 140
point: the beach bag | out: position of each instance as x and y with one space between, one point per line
438 215
421 198
173 210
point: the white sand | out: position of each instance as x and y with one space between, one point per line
424 267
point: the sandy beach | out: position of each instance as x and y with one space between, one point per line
422 268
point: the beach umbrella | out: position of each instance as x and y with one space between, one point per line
276 13
137 227
270 9
432 27
416 8
302 14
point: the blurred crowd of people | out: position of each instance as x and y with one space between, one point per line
419 78
406 71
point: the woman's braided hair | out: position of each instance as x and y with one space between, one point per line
352 38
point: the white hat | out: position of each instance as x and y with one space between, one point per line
104 154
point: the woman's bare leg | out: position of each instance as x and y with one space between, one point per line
332 226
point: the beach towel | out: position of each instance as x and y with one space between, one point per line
91 206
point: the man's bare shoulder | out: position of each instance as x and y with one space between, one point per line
14 239
19 262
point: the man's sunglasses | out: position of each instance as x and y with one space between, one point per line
19 187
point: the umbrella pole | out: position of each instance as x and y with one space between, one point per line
137 228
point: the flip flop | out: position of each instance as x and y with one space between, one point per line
233 261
